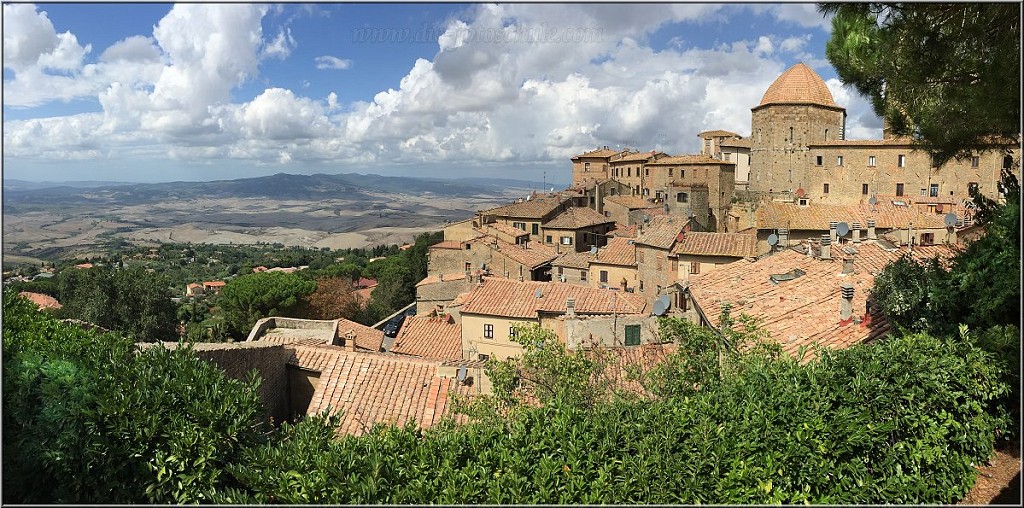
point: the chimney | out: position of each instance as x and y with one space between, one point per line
623 284
871 230
832 225
469 276
783 238
848 266
810 249
350 340
826 247
570 307
846 303
856 232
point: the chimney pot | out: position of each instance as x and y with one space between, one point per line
871 230
833 235
856 232
846 303
848 266
826 247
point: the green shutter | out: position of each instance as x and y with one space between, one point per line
632 335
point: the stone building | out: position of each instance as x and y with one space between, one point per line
799 151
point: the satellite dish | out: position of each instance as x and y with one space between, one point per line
773 240
661 306
462 373
842 228
538 293
950 219
800 192
872 201
593 249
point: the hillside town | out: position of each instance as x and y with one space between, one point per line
788 227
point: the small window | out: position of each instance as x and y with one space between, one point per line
972 187
583 275
560 270
483 357
899 189
818 160
511 332
647 192
629 171
519 225
924 192
566 240
871 161
790 134
682 197
488 331
824 189
682 173
647 171
641 285
927 238
604 276
547 239
975 161
933 190
694 267
901 161
586 166
469 266
864 189
826 134
839 160
535 228
632 335
669 171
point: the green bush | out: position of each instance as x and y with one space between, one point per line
88 419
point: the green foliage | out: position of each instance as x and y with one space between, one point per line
948 74
249 298
88 419
132 301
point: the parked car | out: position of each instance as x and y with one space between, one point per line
391 327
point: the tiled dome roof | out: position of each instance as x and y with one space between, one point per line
799 84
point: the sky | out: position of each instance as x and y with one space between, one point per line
166 92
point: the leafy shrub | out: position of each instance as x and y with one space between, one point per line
89 419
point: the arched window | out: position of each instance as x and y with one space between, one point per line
790 134
682 197
826 134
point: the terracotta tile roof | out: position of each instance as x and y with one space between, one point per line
447 277
577 217
501 227
83 266
537 254
535 208
620 251
623 231
367 338
363 282
661 232
803 310
798 85
42 301
639 156
736 143
682 160
313 356
447 244
369 388
214 284
573 260
430 337
619 362
509 298
717 244
600 152
716 134
289 336
818 216
630 202
872 256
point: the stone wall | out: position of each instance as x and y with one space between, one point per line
779 162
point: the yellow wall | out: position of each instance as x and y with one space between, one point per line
615 275
500 347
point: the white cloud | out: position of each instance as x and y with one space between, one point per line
332 62
281 46
550 90
801 14
861 120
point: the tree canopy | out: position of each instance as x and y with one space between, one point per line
248 298
946 74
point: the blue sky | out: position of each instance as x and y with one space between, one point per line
158 92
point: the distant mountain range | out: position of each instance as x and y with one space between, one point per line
279 186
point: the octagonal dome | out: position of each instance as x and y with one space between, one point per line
799 85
